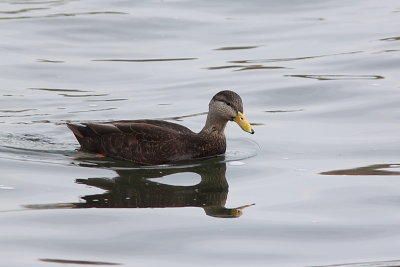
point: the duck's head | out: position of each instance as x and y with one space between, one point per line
227 105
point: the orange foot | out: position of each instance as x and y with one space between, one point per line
100 155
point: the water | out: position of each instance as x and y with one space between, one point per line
319 80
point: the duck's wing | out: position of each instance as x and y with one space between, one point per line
135 141
163 124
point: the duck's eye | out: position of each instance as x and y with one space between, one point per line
229 104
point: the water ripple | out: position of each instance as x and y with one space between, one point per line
66 15
16 111
236 47
85 95
80 262
396 38
58 89
245 67
106 100
42 149
147 60
49 61
291 58
392 263
337 77
376 169
283 111
24 10
92 110
25 115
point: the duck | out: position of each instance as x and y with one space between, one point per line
158 142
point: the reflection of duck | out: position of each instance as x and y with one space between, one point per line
157 142
133 189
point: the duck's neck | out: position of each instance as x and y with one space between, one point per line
214 125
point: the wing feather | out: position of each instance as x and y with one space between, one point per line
138 142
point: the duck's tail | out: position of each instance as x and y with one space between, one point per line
86 137
77 130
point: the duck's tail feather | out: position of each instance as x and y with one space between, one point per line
77 129
87 138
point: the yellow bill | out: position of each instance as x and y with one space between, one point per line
241 120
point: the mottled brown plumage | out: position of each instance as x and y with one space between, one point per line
154 142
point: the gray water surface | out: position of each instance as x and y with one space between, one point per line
319 80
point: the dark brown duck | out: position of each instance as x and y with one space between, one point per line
154 142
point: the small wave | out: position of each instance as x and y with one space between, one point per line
35 148
337 77
44 150
241 149
238 151
36 155
246 67
57 15
235 47
146 60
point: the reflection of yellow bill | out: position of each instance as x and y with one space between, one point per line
237 212
243 123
